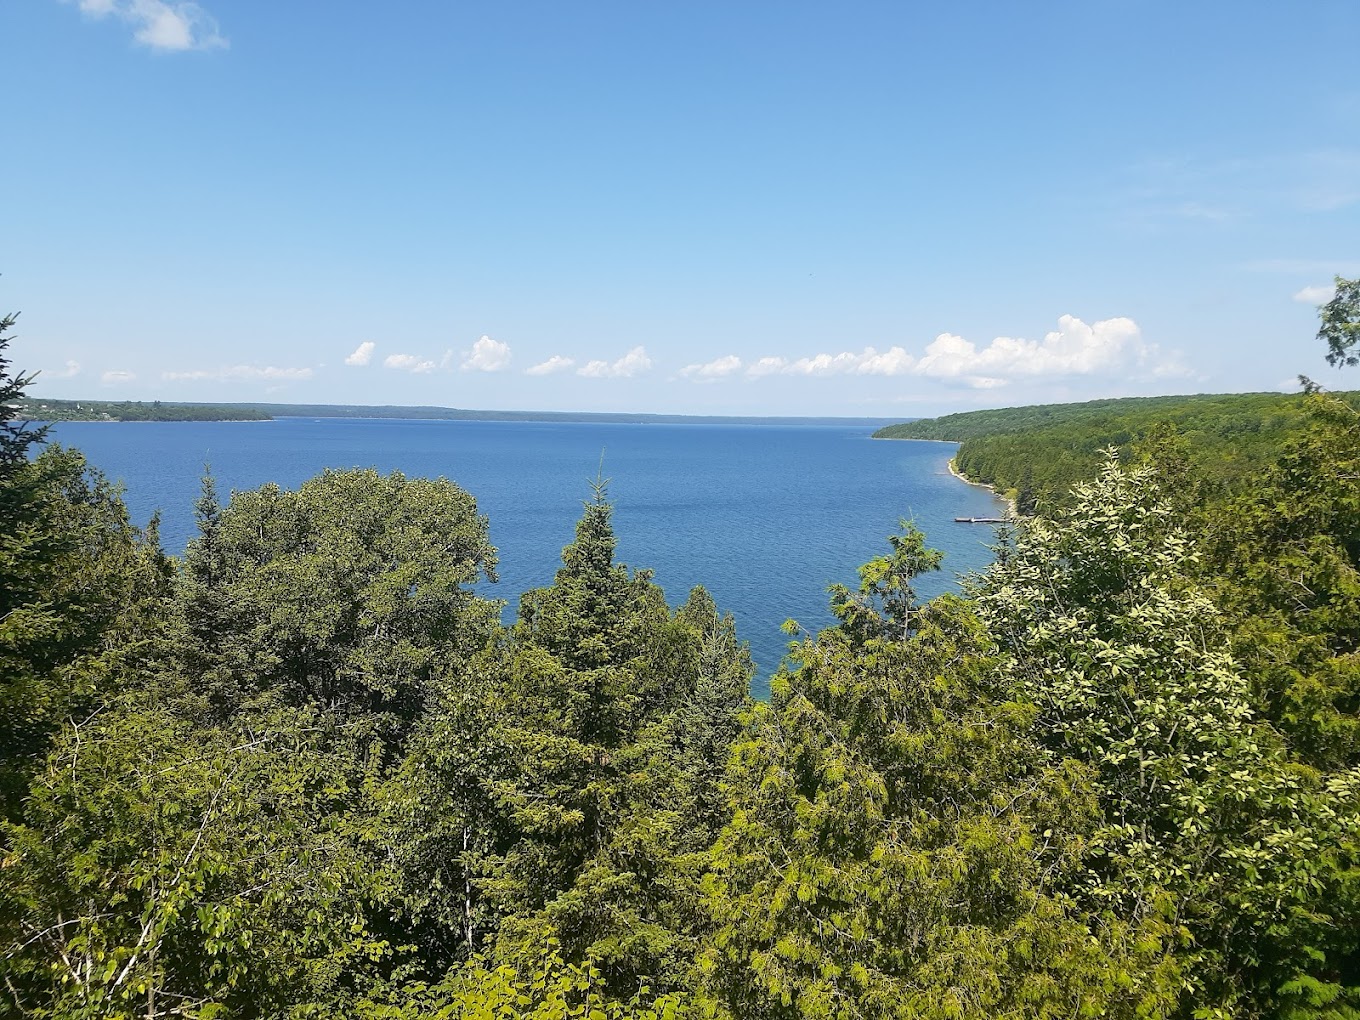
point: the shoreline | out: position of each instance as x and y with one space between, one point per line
1010 503
899 439
149 421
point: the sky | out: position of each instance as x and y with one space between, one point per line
756 207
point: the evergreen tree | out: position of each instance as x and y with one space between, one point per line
16 436
886 600
1283 560
899 847
79 587
1026 499
584 794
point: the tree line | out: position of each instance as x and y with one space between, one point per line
304 771
1035 455
131 410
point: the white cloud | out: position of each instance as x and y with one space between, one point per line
238 373
71 368
117 376
719 368
409 363
766 366
487 355
633 363
363 354
1318 295
553 365
894 361
1108 347
174 25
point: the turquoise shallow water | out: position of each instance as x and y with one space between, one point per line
764 516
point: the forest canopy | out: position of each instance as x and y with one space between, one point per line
1038 453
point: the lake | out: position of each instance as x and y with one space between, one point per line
763 516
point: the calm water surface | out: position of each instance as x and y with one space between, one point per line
764 516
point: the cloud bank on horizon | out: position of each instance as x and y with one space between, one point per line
412 363
1107 349
635 362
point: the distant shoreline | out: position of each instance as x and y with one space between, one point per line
32 408
150 421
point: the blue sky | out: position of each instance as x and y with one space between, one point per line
749 208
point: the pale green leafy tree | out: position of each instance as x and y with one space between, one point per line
1205 824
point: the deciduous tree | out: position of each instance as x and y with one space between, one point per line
1340 324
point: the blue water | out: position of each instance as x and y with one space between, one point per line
764 516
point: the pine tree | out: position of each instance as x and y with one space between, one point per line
16 437
601 715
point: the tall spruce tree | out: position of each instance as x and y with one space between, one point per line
580 772
77 583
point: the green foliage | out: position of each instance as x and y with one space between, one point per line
568 789
1235 410
80 588
1043 451
16 436
350 594
1340 324
898 846
540 987
1204 824
166 868
1283 560
886 600
134 410
212 838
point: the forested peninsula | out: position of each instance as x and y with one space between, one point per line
305 771
1037 454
